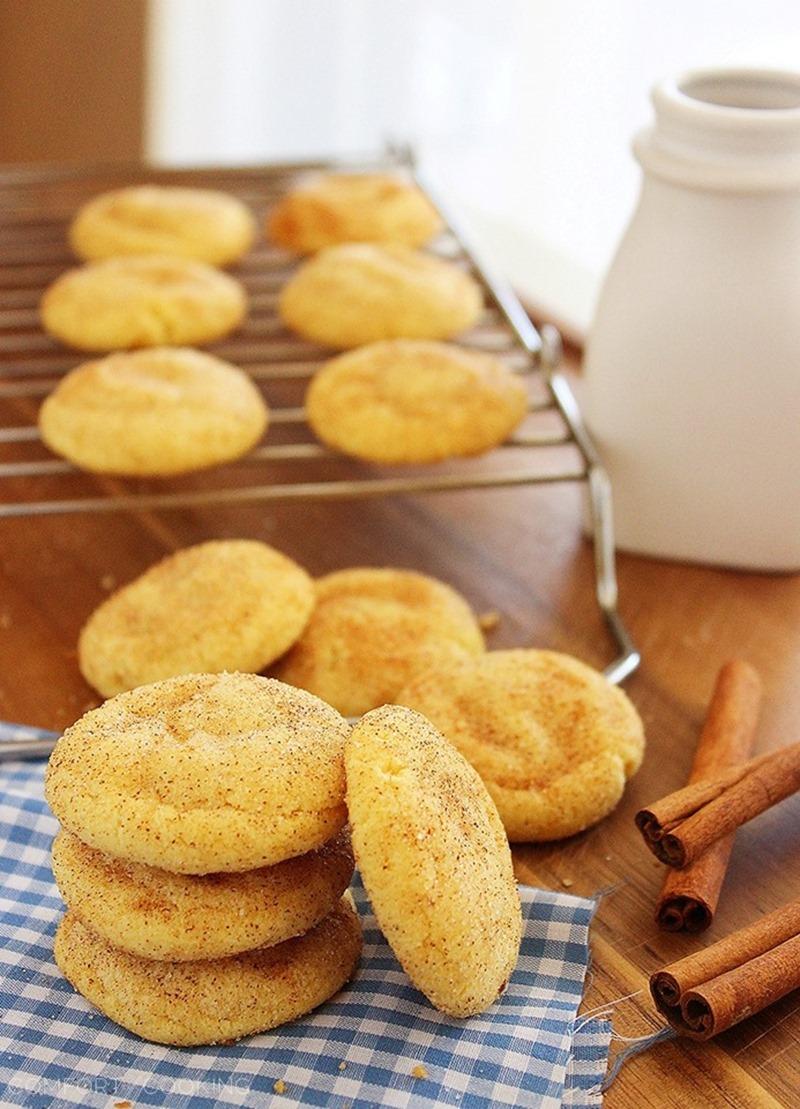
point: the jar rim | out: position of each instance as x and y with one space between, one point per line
738 97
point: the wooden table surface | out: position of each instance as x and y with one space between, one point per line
519 552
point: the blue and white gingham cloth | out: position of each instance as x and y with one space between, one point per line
357 1051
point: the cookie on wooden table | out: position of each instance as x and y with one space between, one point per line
371 629
405 400
352 208
552 739
148 300
358 293
159 915
202 774
152 413
217 1000
228 604
434 858
204 224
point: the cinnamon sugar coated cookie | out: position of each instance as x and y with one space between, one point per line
158 915
204 224
165 410
371 630
552 739
216 1000
358 293
146 301
352 208
229 604
406 400
203 773
434 858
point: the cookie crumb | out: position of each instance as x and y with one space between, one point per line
489 620
419 1071
123 1104
342 1065
107 582
279 1086
566 883
5 620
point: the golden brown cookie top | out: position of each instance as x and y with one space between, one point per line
203 773
204 224
434 858
359 293
406 400
352 207
228 604
142 301
163 410
371 629
552 739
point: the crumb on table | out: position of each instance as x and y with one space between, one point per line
489 620
419 1071
279 1086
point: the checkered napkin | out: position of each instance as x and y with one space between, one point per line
378 1043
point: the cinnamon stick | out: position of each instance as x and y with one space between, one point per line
708 992
679 828
689 897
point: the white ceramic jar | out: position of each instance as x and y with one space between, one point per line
692 368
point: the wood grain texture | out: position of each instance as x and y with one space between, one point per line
519 552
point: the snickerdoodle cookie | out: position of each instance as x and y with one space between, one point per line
406 400
361 292
352 208
204 224
212 1000
148 300
370 632
228 604
434 858
158 915
203 773
160 411
552 739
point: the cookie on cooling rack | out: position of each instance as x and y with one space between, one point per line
216 1000
142 301
154 412
434 858
229 604
552 739
358 293
202 774
204 224
371 630
352 208
406 400
158 915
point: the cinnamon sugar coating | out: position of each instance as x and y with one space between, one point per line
434 858
552 739
159 915
216 1000
203 773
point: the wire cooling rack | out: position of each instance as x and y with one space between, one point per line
551 446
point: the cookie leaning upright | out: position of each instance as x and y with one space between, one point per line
553 739
203 773
352 208
434 858
358 293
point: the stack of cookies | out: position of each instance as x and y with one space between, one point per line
203 857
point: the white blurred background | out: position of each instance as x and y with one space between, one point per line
522 109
